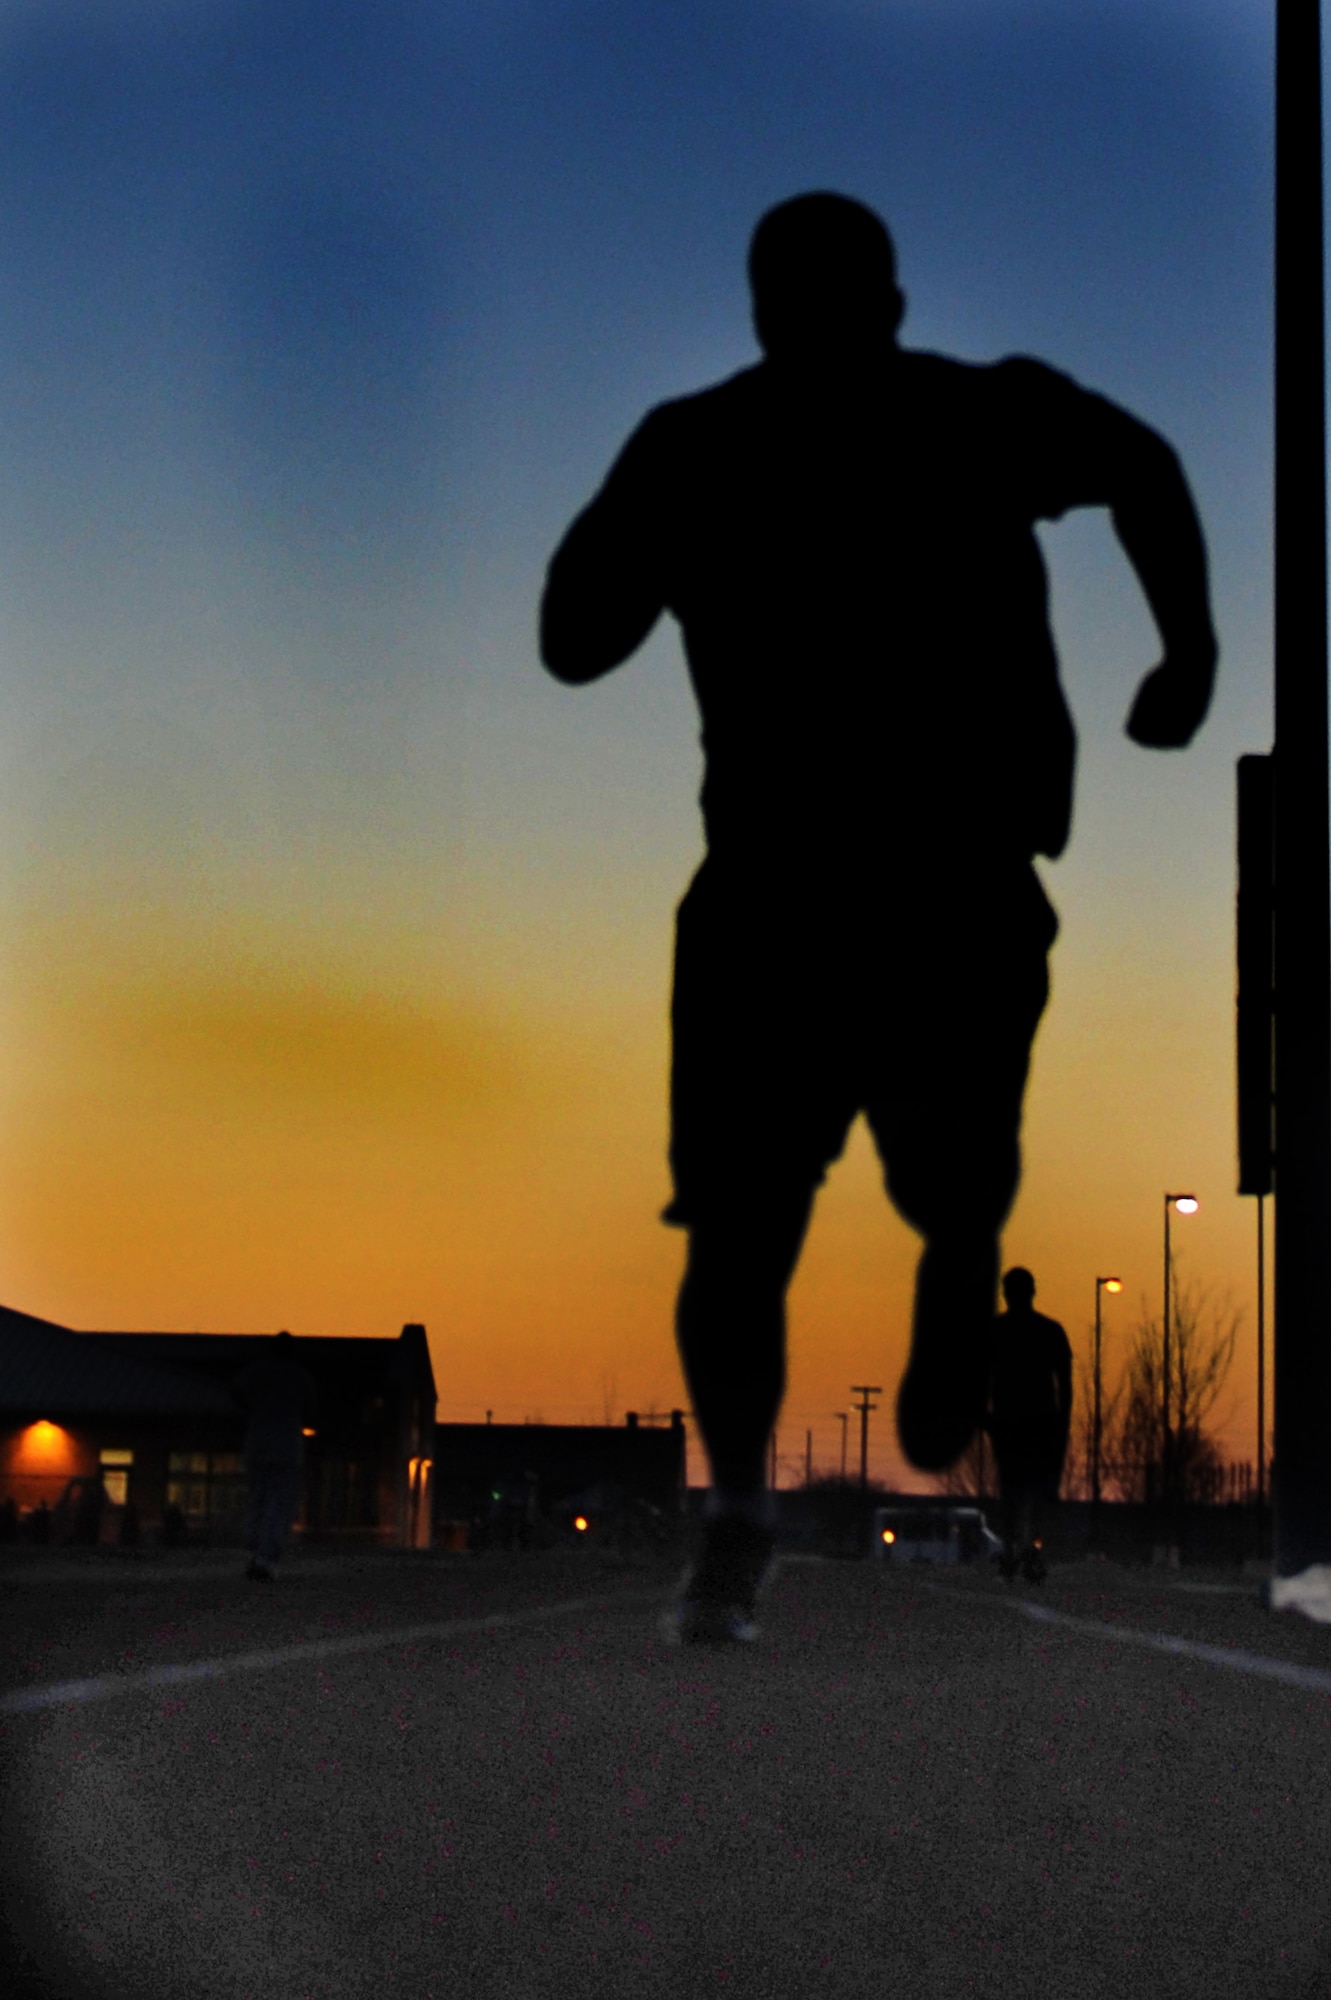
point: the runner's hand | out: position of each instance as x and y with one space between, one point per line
1172 701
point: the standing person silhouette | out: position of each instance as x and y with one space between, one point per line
1030 1410
844 532
279 1395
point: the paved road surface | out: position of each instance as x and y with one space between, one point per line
488 1777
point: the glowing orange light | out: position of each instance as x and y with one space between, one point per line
889 1534
1113 1284
1038 1543
308 1433
45 1440
580 1522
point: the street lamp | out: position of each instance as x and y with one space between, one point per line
1114 1285
1186 1204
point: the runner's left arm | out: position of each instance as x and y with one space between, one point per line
1086 451
604 589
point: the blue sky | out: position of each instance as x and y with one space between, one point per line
324 316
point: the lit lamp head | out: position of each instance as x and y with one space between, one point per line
1186 1204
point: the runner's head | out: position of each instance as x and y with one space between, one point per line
823 274
1018 1287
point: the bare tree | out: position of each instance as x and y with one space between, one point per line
1203 1335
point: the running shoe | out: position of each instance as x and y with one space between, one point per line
1033 1566
719 1595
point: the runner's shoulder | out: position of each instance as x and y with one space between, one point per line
1054 1333
1015 379
719 402
671 434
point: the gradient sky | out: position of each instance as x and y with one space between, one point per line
334 937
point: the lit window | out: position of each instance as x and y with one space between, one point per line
206 1484
190 1495
115 1463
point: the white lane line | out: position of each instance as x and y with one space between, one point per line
1236 1658
100 1687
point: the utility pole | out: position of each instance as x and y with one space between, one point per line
1301 1468
865 1390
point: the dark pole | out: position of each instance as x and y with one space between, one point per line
1164 1426
1115 1285
1187 1204
1261 1360
844 1420
1095 1434
864 1390
1301 1466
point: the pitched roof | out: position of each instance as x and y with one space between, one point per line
341 1364
50 1371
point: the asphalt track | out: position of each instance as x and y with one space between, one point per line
492 1777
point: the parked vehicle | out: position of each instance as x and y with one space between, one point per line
942 1534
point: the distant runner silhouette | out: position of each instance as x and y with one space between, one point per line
844 533
1030 1411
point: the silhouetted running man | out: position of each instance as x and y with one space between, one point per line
279 1395
844 533
1030 1410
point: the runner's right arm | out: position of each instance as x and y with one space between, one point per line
604 589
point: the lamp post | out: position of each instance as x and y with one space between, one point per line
1114 1285
845 1418
1186 1204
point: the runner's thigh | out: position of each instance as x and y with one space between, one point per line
761 1095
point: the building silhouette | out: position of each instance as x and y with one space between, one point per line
142 1429
495 1482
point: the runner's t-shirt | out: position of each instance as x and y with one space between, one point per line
1031 1359
863 601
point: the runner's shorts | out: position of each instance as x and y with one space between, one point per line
802 1001
1030 1459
